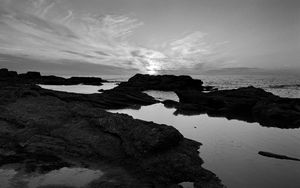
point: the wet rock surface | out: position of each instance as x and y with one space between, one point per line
248 104
46 130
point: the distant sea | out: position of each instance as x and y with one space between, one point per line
281 85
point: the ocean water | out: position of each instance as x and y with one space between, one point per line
281 85
230 147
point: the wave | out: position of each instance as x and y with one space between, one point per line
287 86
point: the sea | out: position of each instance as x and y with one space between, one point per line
230 147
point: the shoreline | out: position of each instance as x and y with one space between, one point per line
45 130
194 98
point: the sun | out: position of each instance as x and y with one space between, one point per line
152 72
153 67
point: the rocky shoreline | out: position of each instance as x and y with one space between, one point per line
37 78
248 103
45 130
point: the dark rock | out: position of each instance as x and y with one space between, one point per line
52 80
5 74
36 78
115 99
143 82
47 129
170 103
86 80
277 156
30 75
146 137
249 104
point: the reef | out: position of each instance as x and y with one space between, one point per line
45 130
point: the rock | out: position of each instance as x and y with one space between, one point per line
277 156
86 80
146 137
116 99
5 74
30 75
249 104
54 80
46 130
170 103
278 113
36 78
143 82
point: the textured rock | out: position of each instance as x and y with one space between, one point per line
37 78
248 104
143 82
47 130
277 156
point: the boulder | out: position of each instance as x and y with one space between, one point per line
143 82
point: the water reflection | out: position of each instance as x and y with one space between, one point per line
64 177
72 177
83 89
230 147
162 95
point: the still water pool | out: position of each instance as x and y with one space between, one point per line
230 147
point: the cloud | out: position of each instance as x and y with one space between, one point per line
32 28
67 18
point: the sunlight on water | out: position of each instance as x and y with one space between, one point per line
230 147
84 89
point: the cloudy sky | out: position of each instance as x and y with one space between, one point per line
151 35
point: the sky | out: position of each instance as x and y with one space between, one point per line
151 36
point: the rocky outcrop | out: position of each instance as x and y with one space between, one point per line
37 78
277 156
45 130
110 99
143 82
249 104
5 74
